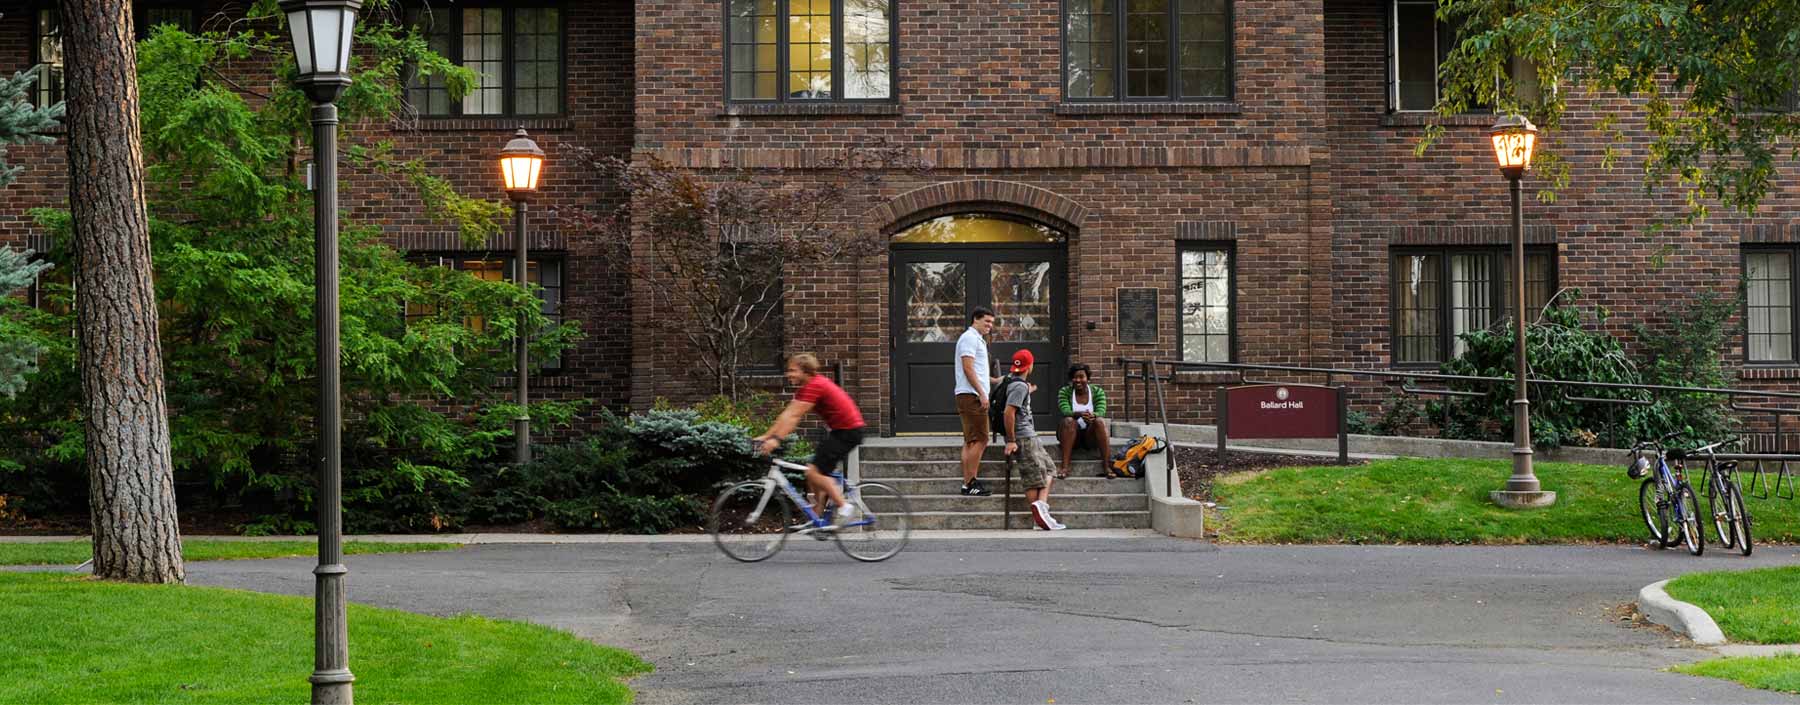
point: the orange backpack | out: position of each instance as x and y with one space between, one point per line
1129 461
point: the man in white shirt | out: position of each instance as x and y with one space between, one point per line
972 383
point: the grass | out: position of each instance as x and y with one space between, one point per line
1445 501
1767 672
70 639
1754 606
74 552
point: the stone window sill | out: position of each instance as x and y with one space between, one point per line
808 109
484 123
1422 119
1771 372
1168 108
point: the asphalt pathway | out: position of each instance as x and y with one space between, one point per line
1115 620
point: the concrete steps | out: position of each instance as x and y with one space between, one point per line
930 474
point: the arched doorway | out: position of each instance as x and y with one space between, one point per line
942 269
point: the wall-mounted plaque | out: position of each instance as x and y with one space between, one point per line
1137 316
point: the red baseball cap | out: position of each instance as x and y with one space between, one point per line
1021 360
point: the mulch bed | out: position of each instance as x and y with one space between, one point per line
1199 466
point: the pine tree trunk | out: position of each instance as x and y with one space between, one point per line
130 481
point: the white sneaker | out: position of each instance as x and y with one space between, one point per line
845 515
1050 522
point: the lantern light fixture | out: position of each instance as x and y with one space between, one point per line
521 162
1514 139
322 32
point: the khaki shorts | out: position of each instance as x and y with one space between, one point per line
1035 466
974 418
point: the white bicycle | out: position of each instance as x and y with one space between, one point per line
751 521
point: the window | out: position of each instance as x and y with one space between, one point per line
1440 294
150 17
48 51
809 50
544 271
1418 44
1769 305
516 53
1205 299
1118 50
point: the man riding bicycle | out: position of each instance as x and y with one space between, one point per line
842 418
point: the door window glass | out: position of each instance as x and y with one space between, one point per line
1021 301
936 294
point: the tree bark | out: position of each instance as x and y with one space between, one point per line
130 481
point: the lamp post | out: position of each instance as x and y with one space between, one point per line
520 164
322 32
1514 137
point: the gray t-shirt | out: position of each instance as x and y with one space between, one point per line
1018 396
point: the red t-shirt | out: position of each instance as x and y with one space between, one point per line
831 402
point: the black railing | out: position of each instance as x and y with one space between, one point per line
1151 374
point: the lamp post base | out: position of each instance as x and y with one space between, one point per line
1522 500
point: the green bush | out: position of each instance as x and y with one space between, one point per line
1681 349
1559 347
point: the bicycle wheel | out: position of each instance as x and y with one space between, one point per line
742 531
1656 512
1719 506
1687 512
1740 518
881 525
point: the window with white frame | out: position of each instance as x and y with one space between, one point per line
1769 305
1205 296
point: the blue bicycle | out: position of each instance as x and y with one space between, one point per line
1668 504
751 520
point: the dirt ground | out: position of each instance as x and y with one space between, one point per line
1199 466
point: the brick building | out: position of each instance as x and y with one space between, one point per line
1219 180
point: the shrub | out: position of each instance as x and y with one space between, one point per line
1681 349
1559 347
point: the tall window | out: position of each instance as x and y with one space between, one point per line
546 272
1438 295
515 52
1147 49
800 50
1418 44
1205 297
1769 305
48 51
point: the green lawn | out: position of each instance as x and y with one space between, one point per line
74 552
69 639
1753 606
1446 501
1769 673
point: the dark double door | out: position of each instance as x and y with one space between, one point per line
934 290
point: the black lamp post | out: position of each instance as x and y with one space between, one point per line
322 33
1514 137
521 162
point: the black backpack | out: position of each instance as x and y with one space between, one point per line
997 406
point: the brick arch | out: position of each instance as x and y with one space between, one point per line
952 197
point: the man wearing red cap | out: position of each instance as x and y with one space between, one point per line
1036 470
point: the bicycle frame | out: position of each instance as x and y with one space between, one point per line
777 478
1666 482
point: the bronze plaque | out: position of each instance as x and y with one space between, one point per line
1137 316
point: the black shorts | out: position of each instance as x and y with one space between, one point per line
836 448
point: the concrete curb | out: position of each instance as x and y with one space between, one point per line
1680 616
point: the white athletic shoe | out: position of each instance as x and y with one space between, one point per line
1050 522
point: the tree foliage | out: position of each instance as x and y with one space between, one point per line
232 238
711 249
20 123
1713 83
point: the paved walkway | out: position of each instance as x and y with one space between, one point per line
1077 619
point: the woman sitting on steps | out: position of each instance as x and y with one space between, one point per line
1083 410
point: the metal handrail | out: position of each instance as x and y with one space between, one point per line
1146 373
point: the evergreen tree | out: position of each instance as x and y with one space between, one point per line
20 122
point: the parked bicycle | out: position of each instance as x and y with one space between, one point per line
1725 498
752 520
1667 502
